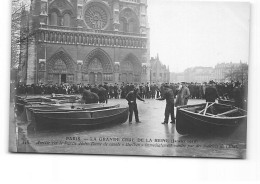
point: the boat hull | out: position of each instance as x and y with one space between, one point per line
30 110
194 123
65 120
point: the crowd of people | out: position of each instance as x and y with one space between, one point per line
175 94
146 91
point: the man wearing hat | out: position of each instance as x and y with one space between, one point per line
168 95
131 98
182 95
211 93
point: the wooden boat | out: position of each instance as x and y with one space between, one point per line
21 102
208 118
64 108
88 118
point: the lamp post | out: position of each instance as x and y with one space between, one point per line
150 75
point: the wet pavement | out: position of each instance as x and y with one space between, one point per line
149 138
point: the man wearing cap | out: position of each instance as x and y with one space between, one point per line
131 98
168 95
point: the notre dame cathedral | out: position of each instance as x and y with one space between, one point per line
86 41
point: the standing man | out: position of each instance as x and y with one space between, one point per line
168 95
183 95
211 93
131 98
102 94
237 94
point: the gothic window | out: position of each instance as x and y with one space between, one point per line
96 17
66 20
128 21
54 19
123 25
131 26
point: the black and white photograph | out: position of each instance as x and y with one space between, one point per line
130 78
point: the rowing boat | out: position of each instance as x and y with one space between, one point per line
30 110
89 118
208 118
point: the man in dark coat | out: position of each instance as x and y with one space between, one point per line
102 94
168 95
89 97
131 98
237 94
211 93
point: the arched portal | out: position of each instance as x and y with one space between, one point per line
130 69
98 66
60 69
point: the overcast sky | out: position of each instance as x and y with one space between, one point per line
187 34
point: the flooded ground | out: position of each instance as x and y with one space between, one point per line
149 137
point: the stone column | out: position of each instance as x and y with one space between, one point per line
116 23
116 71
79 71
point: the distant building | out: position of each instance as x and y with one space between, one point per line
199 74
159 73
205 74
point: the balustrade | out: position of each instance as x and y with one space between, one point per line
91 39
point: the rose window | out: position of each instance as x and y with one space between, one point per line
96 17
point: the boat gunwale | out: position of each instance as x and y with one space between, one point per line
72 110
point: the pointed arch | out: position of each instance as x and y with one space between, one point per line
102 56
131 69
131 20
65 61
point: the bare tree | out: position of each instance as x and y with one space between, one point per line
239 73
19 9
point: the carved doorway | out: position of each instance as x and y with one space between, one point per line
60 70
91 78
63 78
99 78
56 79
130 78
124 77
95 71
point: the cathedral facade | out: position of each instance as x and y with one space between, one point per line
87 41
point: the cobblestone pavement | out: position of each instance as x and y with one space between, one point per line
149 137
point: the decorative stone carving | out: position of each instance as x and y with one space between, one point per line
95 65
42 66
96 17
117 65
60 63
